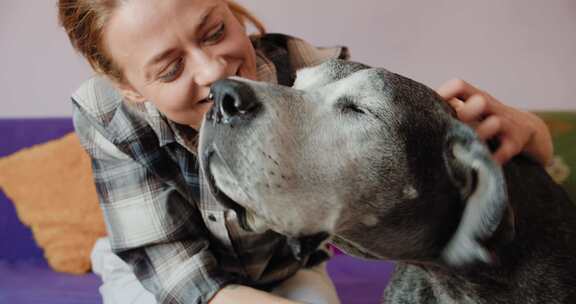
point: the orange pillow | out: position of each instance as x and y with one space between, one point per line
52 189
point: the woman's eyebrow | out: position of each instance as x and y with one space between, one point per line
154 61
158 58
204 17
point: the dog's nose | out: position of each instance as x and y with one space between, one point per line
233 100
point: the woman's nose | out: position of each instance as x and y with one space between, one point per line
208 68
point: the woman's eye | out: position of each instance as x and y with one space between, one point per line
216 35
173 71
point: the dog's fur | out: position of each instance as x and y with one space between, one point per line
377 162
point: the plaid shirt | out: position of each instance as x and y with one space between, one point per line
161 219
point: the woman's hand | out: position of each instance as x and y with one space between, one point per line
518 131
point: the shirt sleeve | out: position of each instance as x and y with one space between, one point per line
151 225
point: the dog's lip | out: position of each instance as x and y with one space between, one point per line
219 195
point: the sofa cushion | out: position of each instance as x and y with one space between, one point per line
16 240
52 189
562 125
34 282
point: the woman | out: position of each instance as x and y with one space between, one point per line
138 122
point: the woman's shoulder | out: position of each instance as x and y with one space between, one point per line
302 53
290 53
102 107
98 98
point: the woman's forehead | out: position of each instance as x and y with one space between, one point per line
139 30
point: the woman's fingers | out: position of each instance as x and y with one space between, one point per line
470 103
489 127
508 148
455 103
474 109
516 130
457 88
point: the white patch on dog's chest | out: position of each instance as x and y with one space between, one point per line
370 220
409 193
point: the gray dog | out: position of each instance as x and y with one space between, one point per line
377 163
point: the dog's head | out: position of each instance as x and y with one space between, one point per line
366 156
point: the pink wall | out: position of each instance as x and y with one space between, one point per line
38 69
523 52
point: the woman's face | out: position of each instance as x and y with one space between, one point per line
170 51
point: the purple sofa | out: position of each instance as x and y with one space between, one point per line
26 278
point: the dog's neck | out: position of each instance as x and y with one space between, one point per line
466 285
544 225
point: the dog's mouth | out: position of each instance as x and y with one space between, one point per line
219 195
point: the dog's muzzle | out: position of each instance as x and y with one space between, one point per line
220 196
234 105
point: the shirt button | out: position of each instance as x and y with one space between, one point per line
212 217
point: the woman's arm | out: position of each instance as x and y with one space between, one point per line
518 131
152 226
240 294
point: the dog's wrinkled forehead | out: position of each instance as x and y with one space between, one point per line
412 97
325 73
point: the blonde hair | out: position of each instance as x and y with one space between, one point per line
84 21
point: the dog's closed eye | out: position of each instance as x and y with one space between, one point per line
347 105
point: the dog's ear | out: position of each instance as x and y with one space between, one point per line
483 189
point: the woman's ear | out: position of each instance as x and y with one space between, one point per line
129 93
